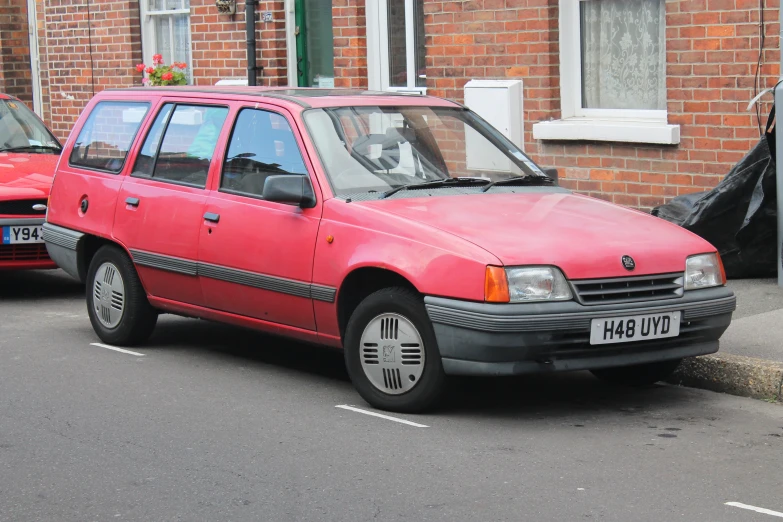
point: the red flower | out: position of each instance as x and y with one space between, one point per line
167 76
180 65
140 67
149 70
157 59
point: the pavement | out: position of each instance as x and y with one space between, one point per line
750 360
209 422
757 325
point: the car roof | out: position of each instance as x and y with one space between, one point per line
304 97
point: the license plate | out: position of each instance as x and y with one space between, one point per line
13 235
634 328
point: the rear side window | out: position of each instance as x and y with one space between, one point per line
180 144
106 137
262 144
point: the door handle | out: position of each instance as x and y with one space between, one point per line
134 202
212 217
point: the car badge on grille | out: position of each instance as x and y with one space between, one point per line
628 263
39 207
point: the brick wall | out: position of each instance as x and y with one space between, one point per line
15 70
70 76
87 50
712 49
711 62
220 48
350 43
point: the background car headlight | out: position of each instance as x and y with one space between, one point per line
539 283
704 271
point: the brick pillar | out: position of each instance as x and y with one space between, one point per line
15 70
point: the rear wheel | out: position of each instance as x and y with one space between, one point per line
116 301
638 375
391 352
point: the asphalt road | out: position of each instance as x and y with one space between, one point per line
216 424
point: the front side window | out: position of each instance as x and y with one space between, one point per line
262 144
21 130
107 135
377 149
166 31
180 144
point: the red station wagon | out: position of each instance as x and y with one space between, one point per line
28 156
403 229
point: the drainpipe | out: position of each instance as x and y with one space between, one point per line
250 26
779 164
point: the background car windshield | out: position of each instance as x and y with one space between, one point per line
375 149
20 127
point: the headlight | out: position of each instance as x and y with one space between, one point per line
525 284
704 271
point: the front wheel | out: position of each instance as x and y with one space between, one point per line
391 352
116 301
639 374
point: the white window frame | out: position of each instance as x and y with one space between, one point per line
148 33
578 123
35 57
378 47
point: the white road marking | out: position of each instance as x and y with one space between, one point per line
395 419
756 509
117 349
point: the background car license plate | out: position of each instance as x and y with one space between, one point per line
634 328
13 235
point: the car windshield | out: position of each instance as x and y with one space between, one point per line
21 130
379 149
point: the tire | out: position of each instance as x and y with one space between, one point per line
638 375
126 319
397 376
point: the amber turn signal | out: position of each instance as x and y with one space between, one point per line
496 285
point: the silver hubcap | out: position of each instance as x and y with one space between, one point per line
392 354
108 295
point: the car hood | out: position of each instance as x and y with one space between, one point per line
26 176
585 237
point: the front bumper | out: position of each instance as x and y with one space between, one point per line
511 339
24 256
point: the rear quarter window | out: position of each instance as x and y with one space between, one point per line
108 134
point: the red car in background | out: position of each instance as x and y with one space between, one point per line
28 156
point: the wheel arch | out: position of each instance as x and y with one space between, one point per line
362 282
89 245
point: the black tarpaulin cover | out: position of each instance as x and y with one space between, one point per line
739 216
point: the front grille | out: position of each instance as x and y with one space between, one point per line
22 207
34 252
628 289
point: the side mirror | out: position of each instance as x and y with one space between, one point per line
552 173
292 189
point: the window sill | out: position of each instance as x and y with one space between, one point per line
625 131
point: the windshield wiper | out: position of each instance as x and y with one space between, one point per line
434 184
28 147
521 180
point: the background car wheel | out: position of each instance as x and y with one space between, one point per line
391 352
116 301
638 375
